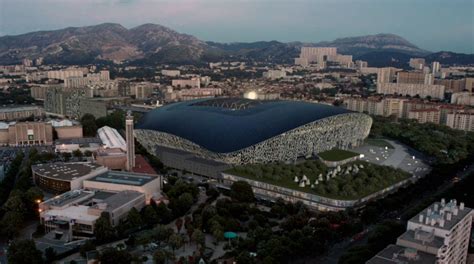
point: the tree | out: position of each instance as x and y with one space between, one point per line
88 246
242 191
89 125
163 213
160 256
114 256
149 215
179 224
134 218
87 153
77 153
181 205
103 230
50 254
24 252
175 241
199 238
66 156
11 223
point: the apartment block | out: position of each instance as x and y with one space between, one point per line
439 234
461 120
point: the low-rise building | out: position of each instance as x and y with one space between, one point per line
69 145
118 181
26 134
73 214
61 177
112 158
67 129
20 112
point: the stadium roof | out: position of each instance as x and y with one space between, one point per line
226 124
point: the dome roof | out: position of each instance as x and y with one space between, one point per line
225 125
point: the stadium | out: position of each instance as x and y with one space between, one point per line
241 131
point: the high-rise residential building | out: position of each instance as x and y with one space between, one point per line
425 115
27 62
39 61
170 73
438 234
463 98
435 68
314 54
376 106
63 74
194 82
421 90
414 77
461 120
361 64
274 74
417 63
452 85
469 84
142 90
130 141
386 74
63 103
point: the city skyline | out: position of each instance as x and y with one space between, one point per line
439 26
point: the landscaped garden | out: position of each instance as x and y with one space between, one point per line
354 180
337 155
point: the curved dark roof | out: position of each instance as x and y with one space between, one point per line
225 125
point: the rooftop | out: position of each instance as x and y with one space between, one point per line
438 213
397 254
119 199
7 109
142 165
77 212
111 138
124 178
86 140
65 171
225 125
422 237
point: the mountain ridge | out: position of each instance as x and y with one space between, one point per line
153 43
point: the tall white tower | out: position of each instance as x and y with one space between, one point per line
130 141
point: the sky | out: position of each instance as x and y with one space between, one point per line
433 25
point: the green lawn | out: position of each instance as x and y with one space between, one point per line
368 180
379 143
337 155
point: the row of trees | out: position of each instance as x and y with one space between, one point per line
19 197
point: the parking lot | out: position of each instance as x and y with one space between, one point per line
397 156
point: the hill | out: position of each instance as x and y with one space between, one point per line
155 44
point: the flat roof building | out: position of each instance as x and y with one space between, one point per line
73 214
117 181
20 112
61 177
26 134
442 230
